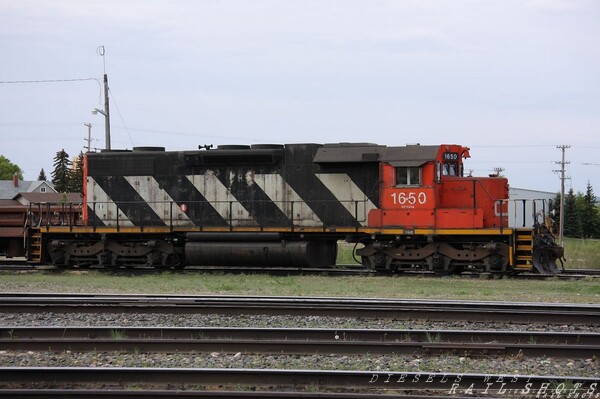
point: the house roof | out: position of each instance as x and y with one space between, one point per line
9 202
11 232
50 197
9 191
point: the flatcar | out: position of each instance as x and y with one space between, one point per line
407 208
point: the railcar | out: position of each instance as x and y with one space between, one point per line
406 208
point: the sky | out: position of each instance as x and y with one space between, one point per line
511 79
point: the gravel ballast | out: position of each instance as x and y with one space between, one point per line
510 365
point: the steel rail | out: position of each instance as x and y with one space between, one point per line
585 272
403 309
141 270
304 334
169 394
448 383
338 270
300 347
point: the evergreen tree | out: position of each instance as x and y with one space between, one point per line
76 178
42 175
8 169
589 214
573 227
62 171
555 210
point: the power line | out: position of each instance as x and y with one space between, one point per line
47 81
120 115
511 146
53 81
530 146
503 161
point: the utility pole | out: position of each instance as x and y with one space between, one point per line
562 164
89 137
106 113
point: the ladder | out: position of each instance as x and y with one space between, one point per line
523 245
34 247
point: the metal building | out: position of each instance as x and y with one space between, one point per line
525 203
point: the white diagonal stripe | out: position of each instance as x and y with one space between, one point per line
159 200
105 208
221 199
287 200
349 194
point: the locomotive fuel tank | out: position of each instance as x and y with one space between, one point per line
262 249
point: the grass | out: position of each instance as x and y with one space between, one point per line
579 254
582 253
581 291
118 334
344 256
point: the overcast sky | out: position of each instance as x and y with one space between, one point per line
511 79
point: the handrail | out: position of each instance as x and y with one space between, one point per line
170 214
521 212
46 214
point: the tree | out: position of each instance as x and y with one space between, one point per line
76 180
573 226
582 216
8 169
590 218
42 175
61 174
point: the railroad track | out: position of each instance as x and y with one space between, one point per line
400 309
339 270
221 394
303 334
299 380
101 381
300 341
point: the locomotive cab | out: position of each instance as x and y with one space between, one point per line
445 221
425 188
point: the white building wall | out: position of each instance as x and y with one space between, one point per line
524 203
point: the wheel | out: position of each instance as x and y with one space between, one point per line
496 263
440 265
174 262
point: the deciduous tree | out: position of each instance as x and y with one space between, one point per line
8 169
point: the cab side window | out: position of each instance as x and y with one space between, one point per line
408 176
450 169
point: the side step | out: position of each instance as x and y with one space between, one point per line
524 248
34 246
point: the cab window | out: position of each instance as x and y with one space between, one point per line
450 169
408 176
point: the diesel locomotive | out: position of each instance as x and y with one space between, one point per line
407 208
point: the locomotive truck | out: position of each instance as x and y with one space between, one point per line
406 208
